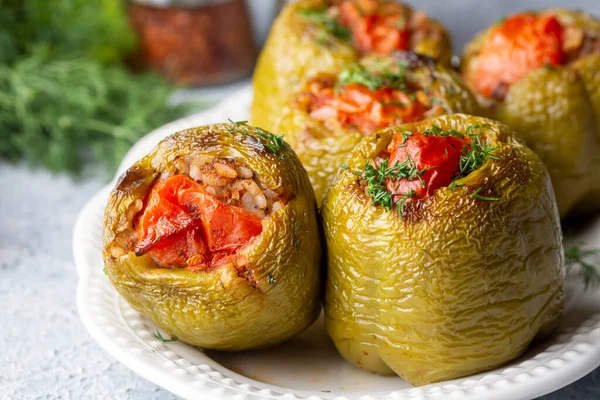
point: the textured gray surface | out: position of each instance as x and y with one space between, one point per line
45 352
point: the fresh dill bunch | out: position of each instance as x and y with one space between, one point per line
61 112
590 270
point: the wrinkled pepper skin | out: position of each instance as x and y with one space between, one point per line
557 111
457 285
322 150
279 294
291 55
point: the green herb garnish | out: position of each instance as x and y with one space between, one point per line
477 196
453 185
344 167
328 23
374 80
238 123
590 272
105 272
67 99
270 279
158 336
274 142
476 154
377 178
405 135
296 240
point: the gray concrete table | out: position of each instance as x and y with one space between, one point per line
45 353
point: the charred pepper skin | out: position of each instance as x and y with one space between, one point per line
557 111
454 286
322 150
292 54
278 294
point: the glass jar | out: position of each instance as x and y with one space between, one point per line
195 42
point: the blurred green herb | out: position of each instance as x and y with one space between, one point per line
327 22
373 78
65 96
160 337
590 269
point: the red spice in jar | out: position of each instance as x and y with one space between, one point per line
199 43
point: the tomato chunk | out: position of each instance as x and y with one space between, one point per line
375 27
367 110
163 216
439 156
226 228
184 226
520 44
185 249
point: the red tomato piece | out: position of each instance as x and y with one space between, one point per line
376 28
520 44
185 249
184 226
163 216
438 155
367 110
226 228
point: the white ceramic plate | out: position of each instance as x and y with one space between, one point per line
307 367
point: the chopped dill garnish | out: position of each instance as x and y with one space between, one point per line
403 198
160 337
405 135
472 157
434 130
274 142
590 272
295 233
475 155
238 123
377 178
453 185
477 196
344 167
327 22
271 279
375 79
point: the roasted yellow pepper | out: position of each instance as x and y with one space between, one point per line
277 292
548 90
454 283
311 36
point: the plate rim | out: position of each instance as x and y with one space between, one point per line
531 387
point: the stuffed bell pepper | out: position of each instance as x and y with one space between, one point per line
322 36
539 71
214 237
332 112
444 250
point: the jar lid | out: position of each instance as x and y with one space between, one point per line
178 3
